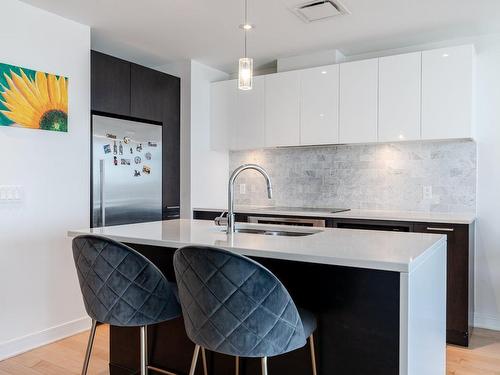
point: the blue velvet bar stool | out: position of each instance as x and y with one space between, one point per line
233 305
121 287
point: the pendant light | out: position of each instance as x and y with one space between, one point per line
245 67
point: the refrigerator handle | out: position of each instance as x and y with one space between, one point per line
101 192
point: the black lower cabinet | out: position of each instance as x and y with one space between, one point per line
460 264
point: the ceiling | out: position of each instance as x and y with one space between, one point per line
155 32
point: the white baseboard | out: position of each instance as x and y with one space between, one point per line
23 344
487 321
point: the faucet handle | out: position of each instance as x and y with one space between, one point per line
221 220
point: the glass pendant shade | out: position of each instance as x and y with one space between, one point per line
245 73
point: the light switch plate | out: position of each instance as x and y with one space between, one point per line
243 188
11 193
427 192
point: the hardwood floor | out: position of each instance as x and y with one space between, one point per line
65 357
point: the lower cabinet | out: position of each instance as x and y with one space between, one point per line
460 268
460 263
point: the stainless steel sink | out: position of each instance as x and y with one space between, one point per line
271 232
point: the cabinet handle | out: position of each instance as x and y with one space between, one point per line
441 229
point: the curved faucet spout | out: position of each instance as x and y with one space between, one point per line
230 194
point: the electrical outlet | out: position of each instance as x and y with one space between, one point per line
243 188
427 192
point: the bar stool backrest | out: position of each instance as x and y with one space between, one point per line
120 286
233 305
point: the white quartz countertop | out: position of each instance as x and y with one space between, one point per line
415 216
390 251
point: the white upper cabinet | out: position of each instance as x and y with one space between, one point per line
222 113
319 105
399 97
358 101
248 131
447 89
282 109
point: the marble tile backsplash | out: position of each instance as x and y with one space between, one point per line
375 176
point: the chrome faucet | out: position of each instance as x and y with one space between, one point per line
230 192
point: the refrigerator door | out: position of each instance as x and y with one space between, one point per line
127 172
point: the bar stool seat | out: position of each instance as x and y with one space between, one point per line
233 305
121 287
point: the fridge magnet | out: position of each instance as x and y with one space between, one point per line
131 150
125 161
120 148
107 149
32 99
152 144
148 155
126 140
137 173
115 160
109 135
146 170
139 147
115 149
137 160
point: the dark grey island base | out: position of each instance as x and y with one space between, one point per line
358 324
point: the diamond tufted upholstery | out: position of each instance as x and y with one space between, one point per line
235 306
120 286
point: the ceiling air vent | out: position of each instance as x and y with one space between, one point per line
319 10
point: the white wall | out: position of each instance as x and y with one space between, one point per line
204 173
209 169
40 300
487 311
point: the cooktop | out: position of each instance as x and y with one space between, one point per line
309 209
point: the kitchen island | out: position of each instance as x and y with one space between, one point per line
380 297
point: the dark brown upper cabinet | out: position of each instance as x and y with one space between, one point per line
110 84
149 93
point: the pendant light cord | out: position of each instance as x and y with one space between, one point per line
246 23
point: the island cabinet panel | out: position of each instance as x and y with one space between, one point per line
110 84
356 334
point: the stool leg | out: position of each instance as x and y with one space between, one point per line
195 359
237 365
204 359
313 354
144 350
90 344
264 365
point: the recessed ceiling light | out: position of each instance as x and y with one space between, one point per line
247 26
323 72
445 55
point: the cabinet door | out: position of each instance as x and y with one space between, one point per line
248 130
358 101
148 87
223 100
282 109
110 84
459 279
399 97
319 105
447 86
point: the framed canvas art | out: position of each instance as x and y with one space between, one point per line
33 99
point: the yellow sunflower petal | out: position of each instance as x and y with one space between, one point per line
41 83
25 90
19 119
64 93
54 91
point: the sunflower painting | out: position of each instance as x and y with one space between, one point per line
32 99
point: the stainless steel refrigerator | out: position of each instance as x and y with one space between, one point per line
127 171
